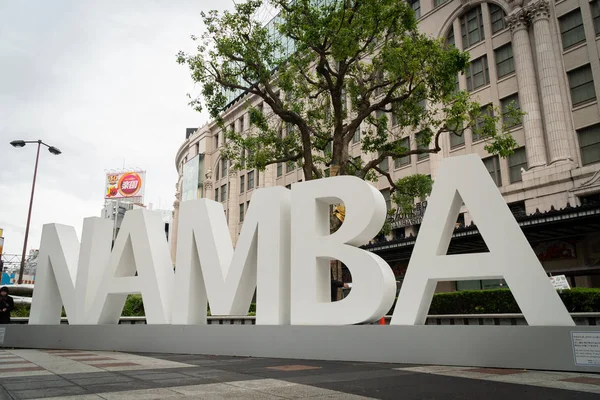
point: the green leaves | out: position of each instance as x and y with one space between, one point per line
323 69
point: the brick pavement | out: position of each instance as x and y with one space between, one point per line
61 374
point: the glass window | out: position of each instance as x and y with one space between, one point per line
403 161
595 6
437 3
416 6
450 38
242 212
250 180
224 193
387 195
290 166
471 27
493 166
356 137
478 74
571 29
589 142
485 110
504 103
223 168
279 169
242 184
504 60
384 165
497 17
516 161
242 124
456 140
420 138
217 194
581 83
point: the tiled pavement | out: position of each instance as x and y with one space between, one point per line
61 374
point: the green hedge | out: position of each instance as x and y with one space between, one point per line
498 301
501 301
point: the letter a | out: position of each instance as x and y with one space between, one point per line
510 256
373 283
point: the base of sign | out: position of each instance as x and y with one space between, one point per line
523 347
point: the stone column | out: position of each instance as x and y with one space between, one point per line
528 91
556 130
233 204
208 190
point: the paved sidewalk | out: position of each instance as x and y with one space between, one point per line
62 374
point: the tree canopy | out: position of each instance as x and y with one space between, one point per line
325 69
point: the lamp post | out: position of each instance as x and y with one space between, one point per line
53 150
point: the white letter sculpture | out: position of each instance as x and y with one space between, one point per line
140 246
69 273
510 255
209 269
373 283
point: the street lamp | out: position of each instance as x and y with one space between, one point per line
53 150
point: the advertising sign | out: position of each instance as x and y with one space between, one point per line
122 185
193 171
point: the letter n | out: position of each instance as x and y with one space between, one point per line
510 256
67 272
209 269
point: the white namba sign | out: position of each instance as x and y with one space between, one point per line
283 253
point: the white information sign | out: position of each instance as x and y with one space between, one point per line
560 282
586 348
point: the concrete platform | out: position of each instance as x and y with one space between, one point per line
68 374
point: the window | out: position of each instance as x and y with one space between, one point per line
250 180
493 166
403 161
416 6
242 184
223 168
478 74
479 122
450 38
589 142
518 209
420 138
504 60
356 137
571 29
241 212
387 195
581 83
437 3
497 17
329 147
471 27
595 6
516 161
216 141
279 169
504 104
198 148
217 194
224 193
456 140
217 169
384 165
290 166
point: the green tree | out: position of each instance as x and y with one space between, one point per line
324 69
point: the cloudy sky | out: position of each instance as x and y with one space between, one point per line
98 80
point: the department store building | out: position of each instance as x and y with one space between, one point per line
545 55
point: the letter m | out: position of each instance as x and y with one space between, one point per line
208 268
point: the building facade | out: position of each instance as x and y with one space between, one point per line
545 56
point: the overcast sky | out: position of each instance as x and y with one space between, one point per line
98 80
